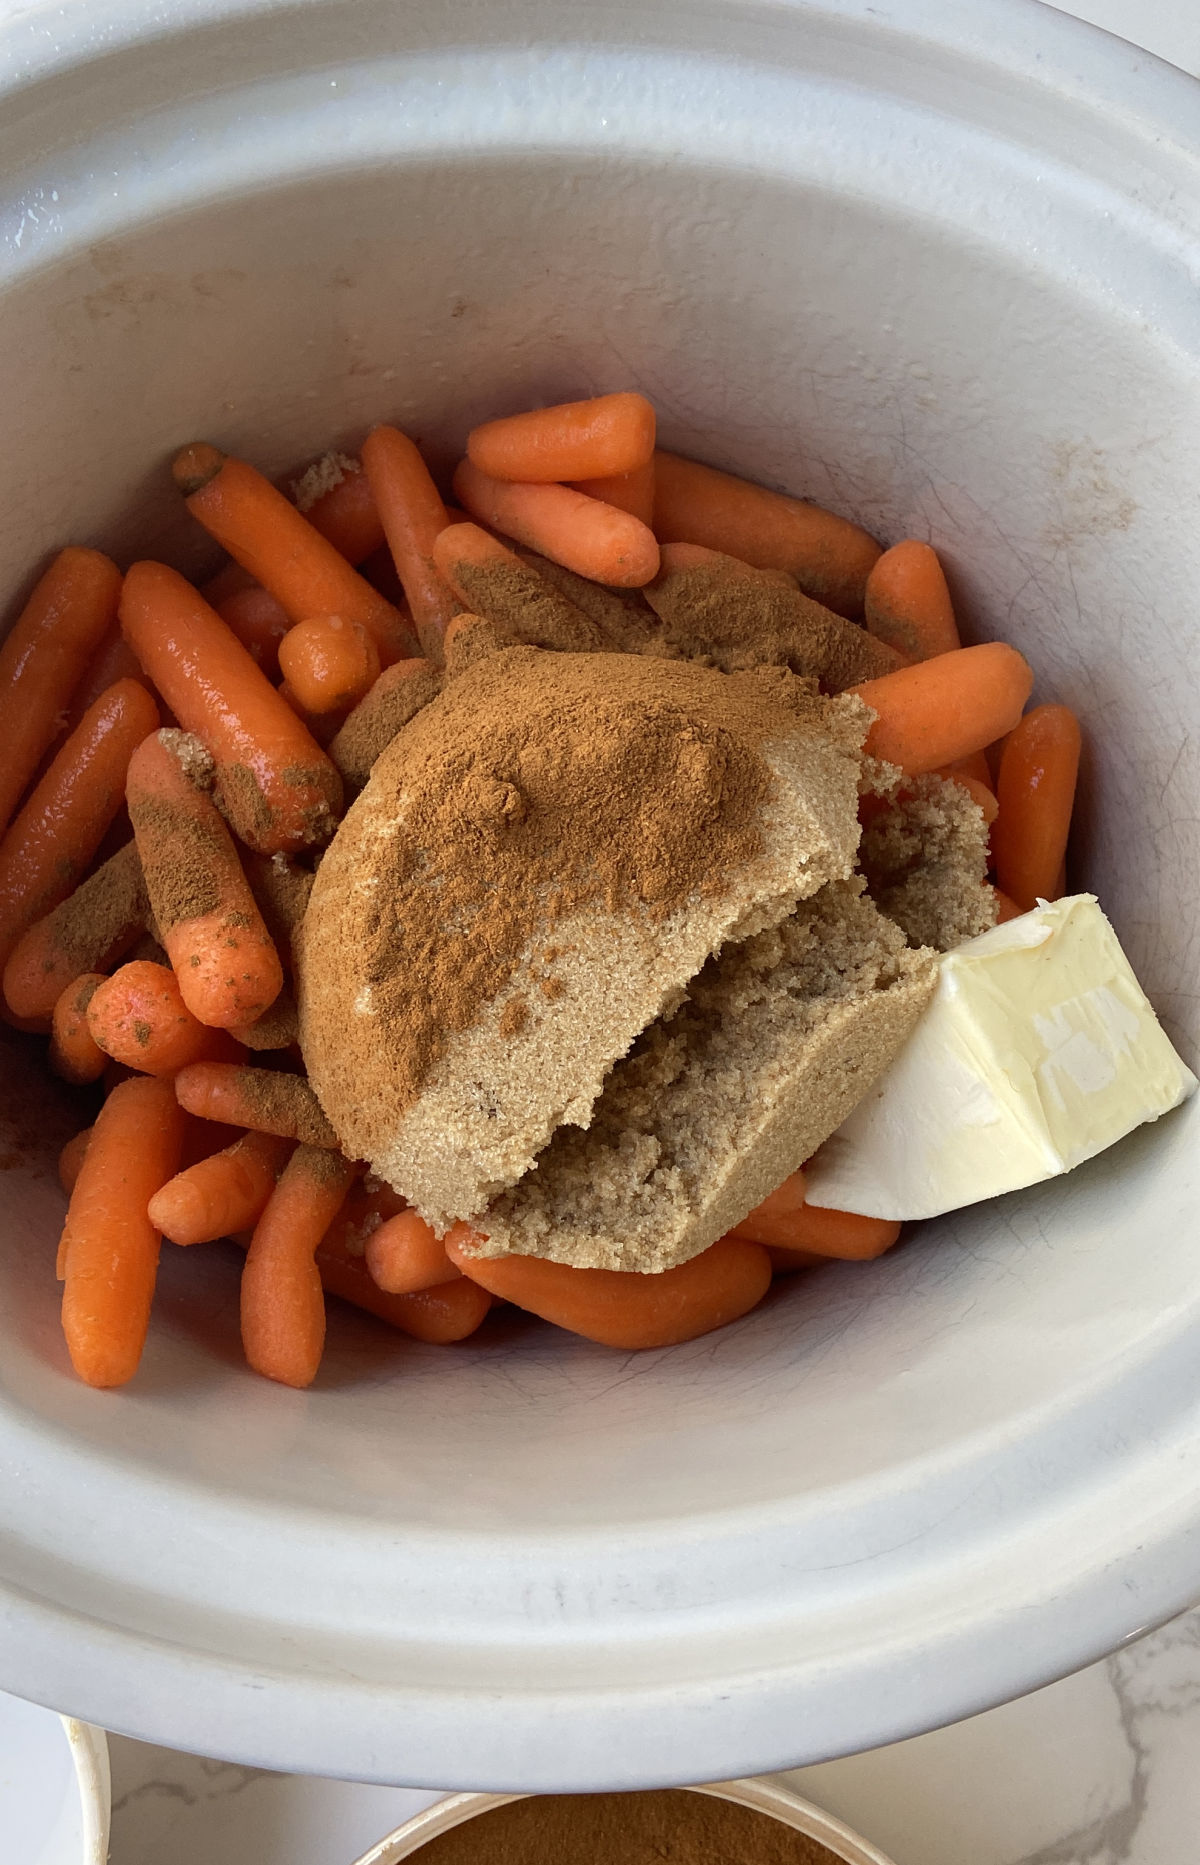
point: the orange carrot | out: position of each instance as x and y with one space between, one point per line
413 514
224 958
829 557
281 549
274 783
785 1262
591 439
52 840
283 1302
225 1192
265 1100
593 539
980 793
345 514
114 660
322 727
70 1159
820 1231
110 1246
260 622
1006 909
908 604
770 1221
139 1018
404 1256
44 658
629 492
328 663
1036 793
89 931
974 766
943 709
618 1307
674 557
229 580
470 547
74 1051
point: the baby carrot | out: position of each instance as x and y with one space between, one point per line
110 1245
1036 793
114 660
44 658
274 783
224 959
820 1231
52 840
1006 909
829 557
89 931
404 1256
618 1307
283 1302
265 1100
328 663
784 1262
411 508
70 1159
396 697
980 793
344 511
225 1192
908 604
74 1051
277 1028
281 549
593 539
138 1017
590 439
260 622
769 1221
497 584
629 492
945 708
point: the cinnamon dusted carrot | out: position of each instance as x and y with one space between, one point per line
497 584
829 557
620 1308
1036 794
208 920
281 549
44 658
673 557
413 514
70 1159
139 1018
819 1231
396 697
277 1028
908 604
335 496
593 539
283 1302
225 1192
110 1247
590 439
273 781
52 840
92 928
329 663
74 1051
260 621
265 1100
942 709
629 492
404 1256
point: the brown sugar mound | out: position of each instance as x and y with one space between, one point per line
924 852
572 835
779 1037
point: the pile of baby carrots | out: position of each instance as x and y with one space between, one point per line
167 788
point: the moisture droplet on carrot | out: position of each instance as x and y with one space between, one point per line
226 1192
328 662
45 656
943 709
89 931
74 1051
274 783
280 548
594 540
223 956
413 514
620 1308
820 1231
404 1256
1036 793
829 557
630 492
908 604
139 1018
283 1301
53 838
266 1100
110 1247
591 439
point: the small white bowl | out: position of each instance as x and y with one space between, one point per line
764 1796
55 1793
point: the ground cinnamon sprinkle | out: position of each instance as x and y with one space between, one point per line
285 1104
515 596
178 852
673 1826
396 697
103 917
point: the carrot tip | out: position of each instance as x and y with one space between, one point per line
195 465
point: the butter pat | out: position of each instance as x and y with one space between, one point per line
1038 1050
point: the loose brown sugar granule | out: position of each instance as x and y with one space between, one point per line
924 851
284 1104
194 758
670 1827
515 595
396 697
99 922
321 477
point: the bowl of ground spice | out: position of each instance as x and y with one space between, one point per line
752 1822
